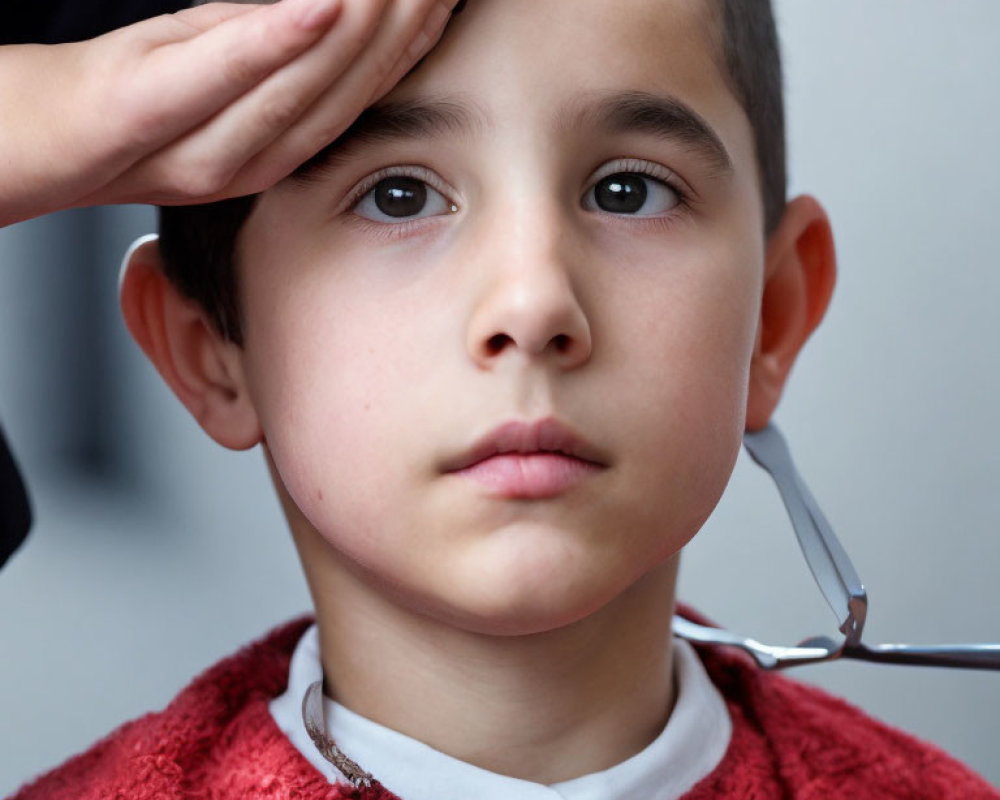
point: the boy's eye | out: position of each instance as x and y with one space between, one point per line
400 198
630 193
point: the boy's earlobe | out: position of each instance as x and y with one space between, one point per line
800 272
203 369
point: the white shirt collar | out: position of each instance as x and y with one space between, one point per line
690 746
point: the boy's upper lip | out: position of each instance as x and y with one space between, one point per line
547 435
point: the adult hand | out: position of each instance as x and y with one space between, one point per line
216 101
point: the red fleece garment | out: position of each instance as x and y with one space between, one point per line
217 741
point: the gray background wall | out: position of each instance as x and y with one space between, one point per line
156 552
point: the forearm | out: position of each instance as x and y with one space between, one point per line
45 158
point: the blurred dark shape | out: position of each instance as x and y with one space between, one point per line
55 21
15 510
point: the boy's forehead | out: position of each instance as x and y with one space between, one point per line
496 49
558 67
648 28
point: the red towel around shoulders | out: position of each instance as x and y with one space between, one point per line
217 740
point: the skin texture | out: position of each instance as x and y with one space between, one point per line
212 102
495 628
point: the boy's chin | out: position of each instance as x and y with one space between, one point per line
524 597
521 612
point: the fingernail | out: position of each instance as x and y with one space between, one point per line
312 14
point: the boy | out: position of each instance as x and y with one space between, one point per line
500 343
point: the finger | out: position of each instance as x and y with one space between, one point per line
201 18
203 162
346 99
213 154
231 154
208 13
185 82
422 44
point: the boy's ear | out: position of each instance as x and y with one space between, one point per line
799 273
204 369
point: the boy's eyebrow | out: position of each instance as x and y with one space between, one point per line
662 116
388 122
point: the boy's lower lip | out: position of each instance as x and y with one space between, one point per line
529 476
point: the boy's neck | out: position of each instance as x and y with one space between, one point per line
533 707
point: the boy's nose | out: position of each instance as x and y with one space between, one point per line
530 307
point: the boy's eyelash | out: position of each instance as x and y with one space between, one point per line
650 169
357 194
637 166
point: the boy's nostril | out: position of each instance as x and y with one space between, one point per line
496 343
561 342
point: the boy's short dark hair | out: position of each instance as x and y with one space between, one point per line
198 242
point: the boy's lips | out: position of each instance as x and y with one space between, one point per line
528 460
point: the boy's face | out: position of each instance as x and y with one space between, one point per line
569 229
